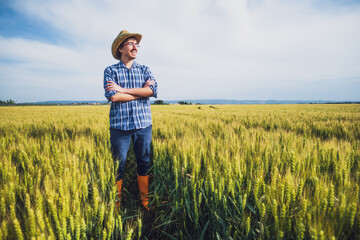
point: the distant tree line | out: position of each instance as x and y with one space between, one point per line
184 103
160 102
10 101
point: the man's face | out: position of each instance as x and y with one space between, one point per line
129 49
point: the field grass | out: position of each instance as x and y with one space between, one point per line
219 172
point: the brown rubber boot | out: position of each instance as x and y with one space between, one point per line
143 182
118 186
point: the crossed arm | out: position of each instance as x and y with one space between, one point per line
128 94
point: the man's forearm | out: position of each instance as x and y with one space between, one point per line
122 97
139 92
143 92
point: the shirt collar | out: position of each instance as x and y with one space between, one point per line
122 65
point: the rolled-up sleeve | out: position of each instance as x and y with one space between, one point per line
154 87
108 77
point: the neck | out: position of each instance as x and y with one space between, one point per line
127 62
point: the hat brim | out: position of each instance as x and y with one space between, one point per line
120 39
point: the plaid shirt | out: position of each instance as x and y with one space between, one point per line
134 114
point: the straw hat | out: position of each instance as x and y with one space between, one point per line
123 35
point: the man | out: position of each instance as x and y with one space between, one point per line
128 85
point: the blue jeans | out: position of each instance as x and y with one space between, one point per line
120 142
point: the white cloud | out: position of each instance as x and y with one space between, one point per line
196 49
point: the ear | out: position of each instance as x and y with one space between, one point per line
120 50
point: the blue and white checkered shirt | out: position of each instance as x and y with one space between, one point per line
134 114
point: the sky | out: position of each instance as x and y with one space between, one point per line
196 49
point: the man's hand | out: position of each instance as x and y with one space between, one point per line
112 86
149 83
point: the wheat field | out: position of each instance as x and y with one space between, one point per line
218 172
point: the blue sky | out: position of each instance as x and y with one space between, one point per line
225 49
